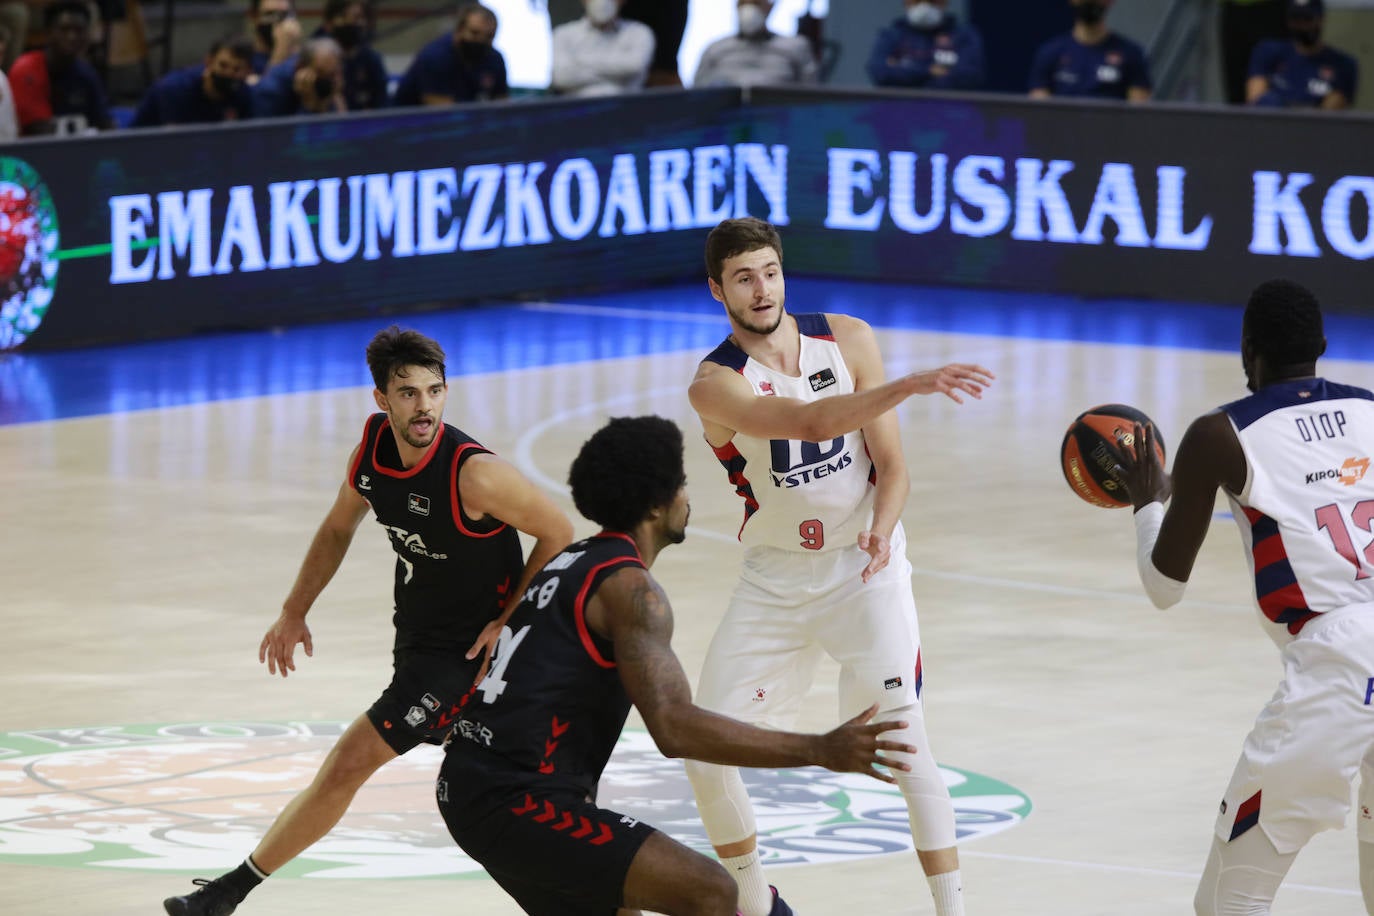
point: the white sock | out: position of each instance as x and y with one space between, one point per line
948 891
755 897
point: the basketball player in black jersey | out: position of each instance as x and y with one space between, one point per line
451 510
591 635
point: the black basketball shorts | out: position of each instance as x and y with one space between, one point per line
423 699
555 853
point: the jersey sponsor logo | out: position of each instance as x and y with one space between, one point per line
171 780
418 504
796 463
401 538
28 251
564 560
821 380
1349 473
892 683
430 701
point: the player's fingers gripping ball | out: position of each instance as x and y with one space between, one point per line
1091 454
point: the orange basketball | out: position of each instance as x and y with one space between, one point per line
1092 450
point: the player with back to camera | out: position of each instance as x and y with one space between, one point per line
591 636
1293 460
451 510
797 410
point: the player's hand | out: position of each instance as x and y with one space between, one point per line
1141 471
952 379
486 645
877 547
278 647
854 747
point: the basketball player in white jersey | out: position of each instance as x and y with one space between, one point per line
797 409
1293 459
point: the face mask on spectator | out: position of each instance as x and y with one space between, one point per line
751 20
924 15
225 86
324 87
266 25
601 12
1090 12
1305 34
349 35
473 51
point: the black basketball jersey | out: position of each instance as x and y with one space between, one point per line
552 706
452 573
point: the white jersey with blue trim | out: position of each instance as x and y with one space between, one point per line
1306 514
799 495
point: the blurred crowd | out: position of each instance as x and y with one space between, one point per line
1273 54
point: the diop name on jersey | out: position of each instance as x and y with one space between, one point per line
807 475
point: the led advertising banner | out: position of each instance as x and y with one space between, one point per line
1173 202
152 233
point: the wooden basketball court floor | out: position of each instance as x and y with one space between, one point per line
159 498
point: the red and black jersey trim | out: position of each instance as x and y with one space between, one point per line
460 518
593 578
1280 597
1247 816
734 462
815 325
419 465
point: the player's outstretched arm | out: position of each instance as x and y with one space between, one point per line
724 397
322 559
490 486
631 610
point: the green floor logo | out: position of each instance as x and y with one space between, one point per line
28 251
196 798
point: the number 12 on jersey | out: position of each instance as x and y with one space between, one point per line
1330 518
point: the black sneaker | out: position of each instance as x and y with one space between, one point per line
214 898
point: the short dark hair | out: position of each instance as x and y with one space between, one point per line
628 468
237 45
469 9
58 8
395 348
333 9
737 236
1283 323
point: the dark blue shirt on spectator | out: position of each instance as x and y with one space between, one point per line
439 70
904 55
1301 80
1107 70
260 61
275 94
179 98
365 79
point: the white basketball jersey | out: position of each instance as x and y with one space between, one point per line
799 495
1306 515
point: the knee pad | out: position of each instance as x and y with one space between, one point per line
929 808
722 802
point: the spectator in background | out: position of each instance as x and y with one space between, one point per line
1091 61
667 19
364 73
755 56
216 91
1302 71
276 33
1243 24
14 16
309 83
462 67
601 53
56 91
9 120
927 48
